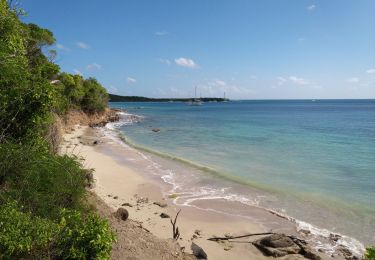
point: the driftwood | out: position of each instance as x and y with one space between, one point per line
176 232
232 237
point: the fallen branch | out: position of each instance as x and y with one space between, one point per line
232 237
176 232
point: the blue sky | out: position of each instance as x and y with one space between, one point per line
249 49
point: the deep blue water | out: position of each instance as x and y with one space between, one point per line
321 152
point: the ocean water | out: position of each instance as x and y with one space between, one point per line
311 160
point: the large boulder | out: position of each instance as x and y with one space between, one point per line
122 214
277 245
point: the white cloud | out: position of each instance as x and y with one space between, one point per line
76 71
94 66
161 33
185 62
83 45
165 61
131 80
353 80
298 81
220 83
311 8
292 79
281 81
62 47
217 87
370 71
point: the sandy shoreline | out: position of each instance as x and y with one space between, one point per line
116 184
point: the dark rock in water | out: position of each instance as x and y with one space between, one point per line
126 204
122 214
156 130
164 215
161 204
198 251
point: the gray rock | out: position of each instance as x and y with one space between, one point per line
156 130
122 214
161 204
277 245
198 251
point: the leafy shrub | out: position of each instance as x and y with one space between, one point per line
84 237
23 235
40 181
370 253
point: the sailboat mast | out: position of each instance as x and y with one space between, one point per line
195 95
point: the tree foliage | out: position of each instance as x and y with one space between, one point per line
43 214
27 74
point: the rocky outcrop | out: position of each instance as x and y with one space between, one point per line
279 245
78 117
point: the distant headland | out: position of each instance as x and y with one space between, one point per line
117 98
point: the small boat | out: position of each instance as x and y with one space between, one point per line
195 101
225 99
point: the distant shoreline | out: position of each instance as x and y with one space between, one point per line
117 98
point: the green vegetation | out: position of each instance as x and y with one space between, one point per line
370 253
43 210
117 98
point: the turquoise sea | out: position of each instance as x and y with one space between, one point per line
312 160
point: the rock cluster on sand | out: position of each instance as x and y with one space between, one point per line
279 245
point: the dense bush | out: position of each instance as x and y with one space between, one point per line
84 237
74 236
370 253
23 235
43 183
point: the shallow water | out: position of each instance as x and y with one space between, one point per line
313 161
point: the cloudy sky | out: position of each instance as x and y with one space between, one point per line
249 49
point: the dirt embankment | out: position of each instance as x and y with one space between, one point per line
66 123
135 242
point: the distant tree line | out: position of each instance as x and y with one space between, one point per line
117 98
